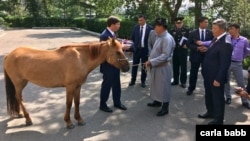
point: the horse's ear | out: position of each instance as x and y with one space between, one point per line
111 41
110 38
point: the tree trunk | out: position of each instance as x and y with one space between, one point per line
197 12
172 12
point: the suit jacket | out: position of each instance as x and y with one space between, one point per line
217 60
194 55
135 37
106 67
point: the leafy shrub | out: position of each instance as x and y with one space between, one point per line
95 25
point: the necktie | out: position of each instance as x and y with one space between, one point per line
213 41
114 36
202 35
141 32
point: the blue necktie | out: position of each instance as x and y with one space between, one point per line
202 35
141 29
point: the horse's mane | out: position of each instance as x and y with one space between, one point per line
95 49
92 47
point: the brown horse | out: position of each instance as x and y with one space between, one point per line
67 67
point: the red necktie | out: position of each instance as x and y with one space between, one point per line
114 36
213 41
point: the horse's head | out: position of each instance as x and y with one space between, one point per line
116 56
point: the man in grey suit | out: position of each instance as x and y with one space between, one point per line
215 67
160 67
151 40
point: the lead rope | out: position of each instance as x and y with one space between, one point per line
144 67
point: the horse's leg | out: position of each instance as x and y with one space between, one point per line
69 98
19 89
77 109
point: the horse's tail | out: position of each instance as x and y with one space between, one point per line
13 107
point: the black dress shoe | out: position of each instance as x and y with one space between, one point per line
189 92
121 106
106 109
143 85
206 115
228 101
246 105
174 83
183 85
162 113
131 83
214 122
154 104
164 109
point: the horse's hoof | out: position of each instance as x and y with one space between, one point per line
82 123
70 126
28 123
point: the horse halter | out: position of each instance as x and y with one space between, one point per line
122 59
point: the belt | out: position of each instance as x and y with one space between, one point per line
140 47
236 61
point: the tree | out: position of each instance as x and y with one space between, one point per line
199 9
173 7
33 7
106 8
12 7
233 11
150 8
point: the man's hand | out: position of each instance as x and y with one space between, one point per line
199 43
125 47
148 64
130 53
216 83
202 49
199 48
241 92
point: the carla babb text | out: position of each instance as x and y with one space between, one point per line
224 132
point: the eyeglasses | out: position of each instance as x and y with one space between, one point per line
179 23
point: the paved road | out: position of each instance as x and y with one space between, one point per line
47 106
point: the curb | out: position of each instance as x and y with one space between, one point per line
89 32
74 28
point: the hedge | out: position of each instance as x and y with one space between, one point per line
95 25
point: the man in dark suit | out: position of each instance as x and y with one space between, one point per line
111 75
180 34
215 67
140 38
197 52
